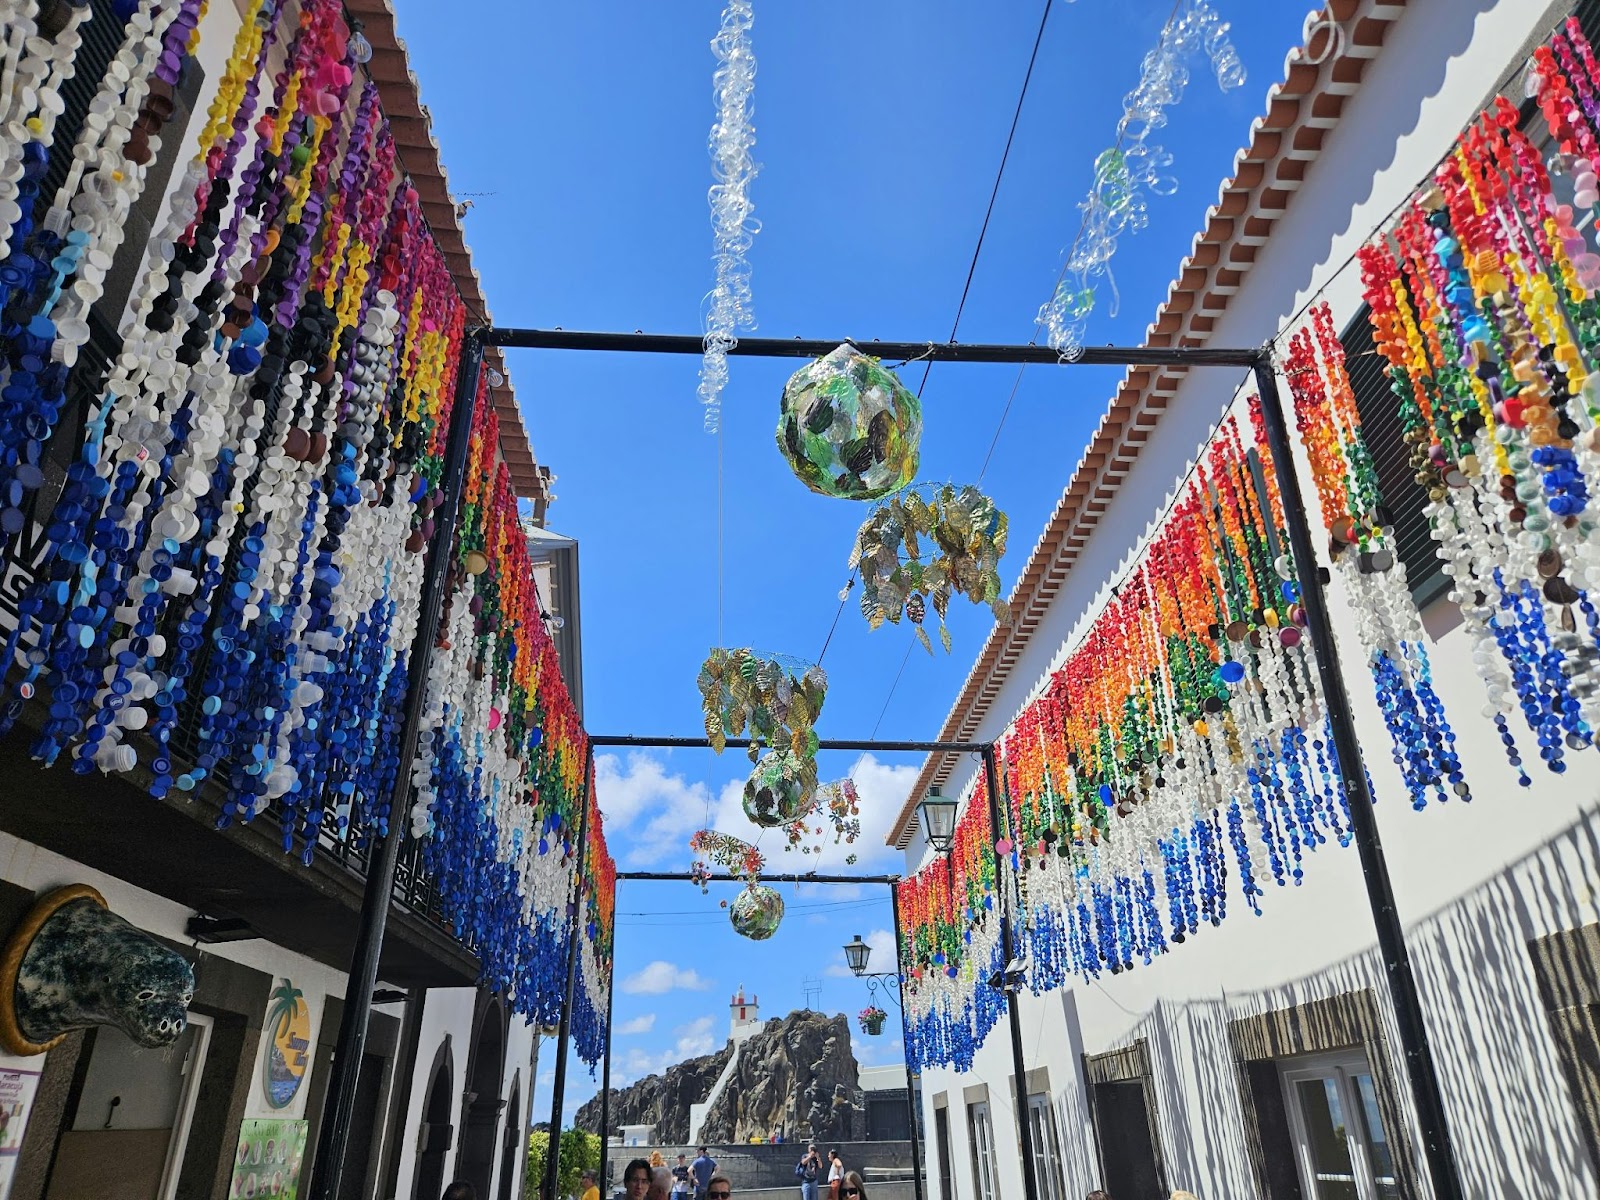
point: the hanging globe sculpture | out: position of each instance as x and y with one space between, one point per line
849 428
781 789
757 912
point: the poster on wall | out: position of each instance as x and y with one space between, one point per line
16 1100
288 1053
267 1165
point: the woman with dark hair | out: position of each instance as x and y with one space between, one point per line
853 1187
835 1174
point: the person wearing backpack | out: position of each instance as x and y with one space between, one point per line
809 1171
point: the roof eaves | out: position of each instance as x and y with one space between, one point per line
1267 174
412 126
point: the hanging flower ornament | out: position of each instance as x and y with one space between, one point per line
872 1018
732 854
756 912
849 428
781 789
914 553
836 805
776 697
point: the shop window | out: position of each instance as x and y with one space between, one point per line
980 1129
1122 1102
1046 1148
1341 1148
1321 1102
941 1135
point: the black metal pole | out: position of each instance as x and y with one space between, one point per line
700 743
339 1103
605 1071
686 877
1004 886
912 1107
1420 1068
552 1158
669 343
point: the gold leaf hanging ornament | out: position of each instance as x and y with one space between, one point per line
777 699
781 789
849 428
963 537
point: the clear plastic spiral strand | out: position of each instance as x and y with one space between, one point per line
1125 173
732 223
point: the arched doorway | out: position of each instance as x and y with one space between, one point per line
514 1148
436 1133
480 1119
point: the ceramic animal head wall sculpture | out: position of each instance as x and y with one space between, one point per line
72 963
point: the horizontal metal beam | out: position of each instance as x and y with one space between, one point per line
686 877
671 343
693 743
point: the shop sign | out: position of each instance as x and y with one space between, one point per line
16 1100
289 1053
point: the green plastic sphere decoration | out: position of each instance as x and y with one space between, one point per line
849 428
781 789
757 912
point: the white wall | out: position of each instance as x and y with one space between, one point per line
449 1012
1473 882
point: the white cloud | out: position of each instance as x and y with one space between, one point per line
882 957
642 1024
693 1040
878 1051
661 977
651 814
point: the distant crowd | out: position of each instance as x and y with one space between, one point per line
652 1179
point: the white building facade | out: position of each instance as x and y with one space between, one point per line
1258 1056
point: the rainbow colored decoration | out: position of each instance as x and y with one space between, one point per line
590 1030
231 574
950 945
1180 753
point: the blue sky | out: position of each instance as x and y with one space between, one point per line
879 128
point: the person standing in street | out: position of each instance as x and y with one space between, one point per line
852 1187
719 1187
701 1170
835 1174
680 1178
809 1171
589 1189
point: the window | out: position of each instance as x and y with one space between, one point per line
1341 1148
1403 498
1122 1101
941 1133
982 1133
1046 1148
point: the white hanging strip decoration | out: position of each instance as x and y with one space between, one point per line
1116 203
734 227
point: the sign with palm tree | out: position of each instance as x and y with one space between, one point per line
288 1053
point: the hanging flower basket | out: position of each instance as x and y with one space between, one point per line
775 697
872 1018
756 912
902 575
849 428
781 789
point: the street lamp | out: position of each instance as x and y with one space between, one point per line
856 954
938 816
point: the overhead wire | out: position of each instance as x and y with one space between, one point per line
961 307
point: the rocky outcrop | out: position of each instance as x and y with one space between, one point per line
660 1100
797 1074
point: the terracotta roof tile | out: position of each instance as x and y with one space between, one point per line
1267 177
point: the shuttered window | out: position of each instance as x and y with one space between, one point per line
1402 498
102 37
